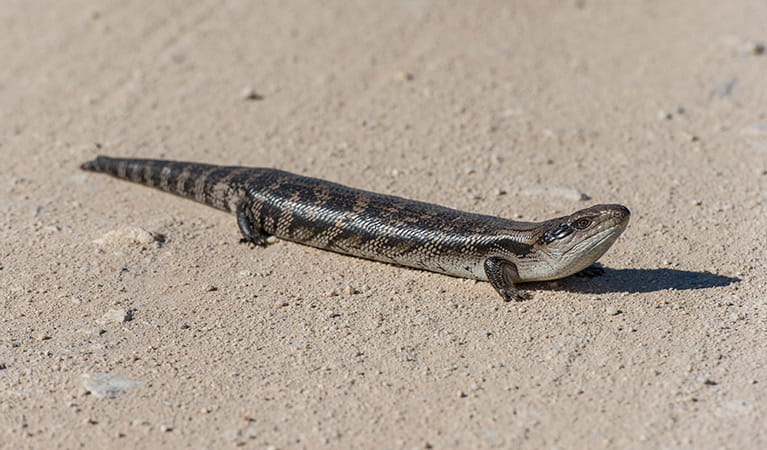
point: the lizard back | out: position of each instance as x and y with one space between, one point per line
332 216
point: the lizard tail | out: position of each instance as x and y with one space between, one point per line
209 184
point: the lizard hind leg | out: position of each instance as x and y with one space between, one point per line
251 233
501 273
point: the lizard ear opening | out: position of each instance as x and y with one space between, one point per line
558 232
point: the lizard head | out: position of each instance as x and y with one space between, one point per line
571 243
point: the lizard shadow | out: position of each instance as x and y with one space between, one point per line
637 281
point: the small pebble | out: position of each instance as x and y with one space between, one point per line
107 385
754 47
690 137
209 288
165 429
349 290
129 236
756 129
726 87
564 192
612 310
246 273
705 379
248 93
119 315
401 77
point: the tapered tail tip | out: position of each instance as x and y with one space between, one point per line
91 165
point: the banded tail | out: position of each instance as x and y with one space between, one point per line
218 186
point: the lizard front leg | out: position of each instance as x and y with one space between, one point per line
501 273
251 233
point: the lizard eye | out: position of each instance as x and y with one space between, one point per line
582 224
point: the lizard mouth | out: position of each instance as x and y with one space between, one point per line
588 251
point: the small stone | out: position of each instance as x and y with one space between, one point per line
129 235
107 385
349 290
665 115
690 137
119 315
612 310
209 288
705 379
332 293
246 273
248 93
756 129
165 429
564 192
754 47
726 87
401 77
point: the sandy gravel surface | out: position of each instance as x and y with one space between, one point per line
109 338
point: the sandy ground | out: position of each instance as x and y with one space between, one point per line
205 343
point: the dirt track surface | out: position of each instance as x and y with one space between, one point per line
109 338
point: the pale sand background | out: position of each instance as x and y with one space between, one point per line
660 105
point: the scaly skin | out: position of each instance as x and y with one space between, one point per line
385 228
